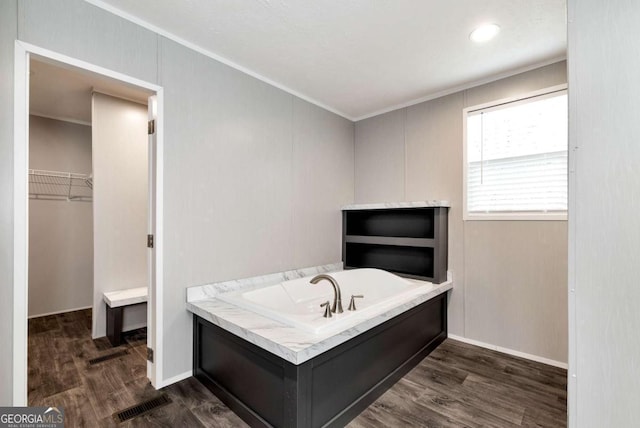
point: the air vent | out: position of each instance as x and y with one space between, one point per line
142 408
108 357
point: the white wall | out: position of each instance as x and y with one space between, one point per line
120 204
60 231
249 168
604 187
510 277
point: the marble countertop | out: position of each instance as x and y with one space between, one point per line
387 205
289 343
129 296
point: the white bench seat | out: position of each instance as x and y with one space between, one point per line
126 297
116 301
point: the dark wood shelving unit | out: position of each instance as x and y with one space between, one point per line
410 242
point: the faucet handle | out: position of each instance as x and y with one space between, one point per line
352 304
327 309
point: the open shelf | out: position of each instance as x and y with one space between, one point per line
414 261
411 242
403 222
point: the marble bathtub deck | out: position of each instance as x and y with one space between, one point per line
287 342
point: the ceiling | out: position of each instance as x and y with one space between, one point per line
63 92
362 57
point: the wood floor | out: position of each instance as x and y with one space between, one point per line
458 385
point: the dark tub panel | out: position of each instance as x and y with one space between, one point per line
328 390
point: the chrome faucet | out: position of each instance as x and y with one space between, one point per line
337 295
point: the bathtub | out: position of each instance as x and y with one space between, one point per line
272 336
296 303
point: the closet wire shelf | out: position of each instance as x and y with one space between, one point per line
58 185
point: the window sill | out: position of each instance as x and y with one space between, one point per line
513 216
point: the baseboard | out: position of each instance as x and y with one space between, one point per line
508 351
175 379
60 312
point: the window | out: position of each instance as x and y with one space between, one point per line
516 158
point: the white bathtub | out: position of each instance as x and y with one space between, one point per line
296 303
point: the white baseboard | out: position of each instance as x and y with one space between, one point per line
60 312
508 351
175 379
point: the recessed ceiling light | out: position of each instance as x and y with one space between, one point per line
484 33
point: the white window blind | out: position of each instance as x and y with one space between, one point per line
517 156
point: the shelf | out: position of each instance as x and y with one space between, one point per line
396 223
416 261
389 240
59 185
408 241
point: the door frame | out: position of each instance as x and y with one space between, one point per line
23 53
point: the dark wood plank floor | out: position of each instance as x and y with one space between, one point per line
458 385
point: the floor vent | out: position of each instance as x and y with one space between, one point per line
142 408
108 357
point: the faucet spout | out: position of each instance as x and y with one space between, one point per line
337 295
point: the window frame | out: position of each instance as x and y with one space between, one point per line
505 215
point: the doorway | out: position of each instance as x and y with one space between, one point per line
107 88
